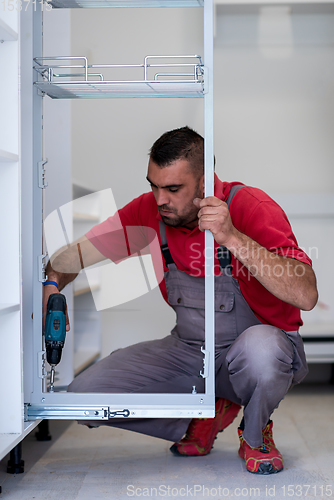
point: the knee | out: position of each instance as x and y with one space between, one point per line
262 352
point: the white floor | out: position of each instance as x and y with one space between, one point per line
106 463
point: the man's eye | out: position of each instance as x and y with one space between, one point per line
173 190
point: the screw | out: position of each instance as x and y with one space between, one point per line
201 401
42 400
86 412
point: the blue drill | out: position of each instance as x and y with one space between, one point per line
55 332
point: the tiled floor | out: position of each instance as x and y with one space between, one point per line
105 463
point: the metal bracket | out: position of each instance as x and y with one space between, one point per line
206 359
41 364
41 268
205 72
119 413
41 174
36 412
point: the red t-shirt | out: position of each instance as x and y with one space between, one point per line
252 212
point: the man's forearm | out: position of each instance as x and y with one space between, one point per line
288 279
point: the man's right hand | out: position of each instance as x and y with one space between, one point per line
47 291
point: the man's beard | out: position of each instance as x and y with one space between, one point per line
189 213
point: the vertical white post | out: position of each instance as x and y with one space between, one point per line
209 191
37 129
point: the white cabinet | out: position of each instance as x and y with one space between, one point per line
24 262
63 77
12 425
11 394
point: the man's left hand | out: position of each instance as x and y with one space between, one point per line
214 215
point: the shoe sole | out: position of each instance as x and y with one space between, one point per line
265 472
176 452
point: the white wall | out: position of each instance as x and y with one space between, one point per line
274 98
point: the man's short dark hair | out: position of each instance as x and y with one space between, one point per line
179 144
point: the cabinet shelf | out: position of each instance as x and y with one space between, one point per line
75 4
9 440
8 308
6 157
160 76
7 34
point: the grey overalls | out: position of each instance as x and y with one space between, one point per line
255 364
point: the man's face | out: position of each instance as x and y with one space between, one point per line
174 188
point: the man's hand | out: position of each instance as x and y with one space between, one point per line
47 291
214 215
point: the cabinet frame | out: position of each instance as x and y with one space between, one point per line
60 405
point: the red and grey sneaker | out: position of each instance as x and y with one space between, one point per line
265 459
202 432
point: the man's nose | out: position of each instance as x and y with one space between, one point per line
162 198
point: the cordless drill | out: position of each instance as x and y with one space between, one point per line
55 332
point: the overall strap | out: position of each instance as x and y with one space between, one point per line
233 192
223 254
164 246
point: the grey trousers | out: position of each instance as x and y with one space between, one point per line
255 371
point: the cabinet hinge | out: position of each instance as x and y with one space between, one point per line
205 73
41 268
206 359
41 364
41 174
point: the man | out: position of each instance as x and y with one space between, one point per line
258 297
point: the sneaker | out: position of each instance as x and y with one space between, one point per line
202 432
265 459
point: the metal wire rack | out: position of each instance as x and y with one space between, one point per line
123 3
158 76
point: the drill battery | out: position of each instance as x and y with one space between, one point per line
55 328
